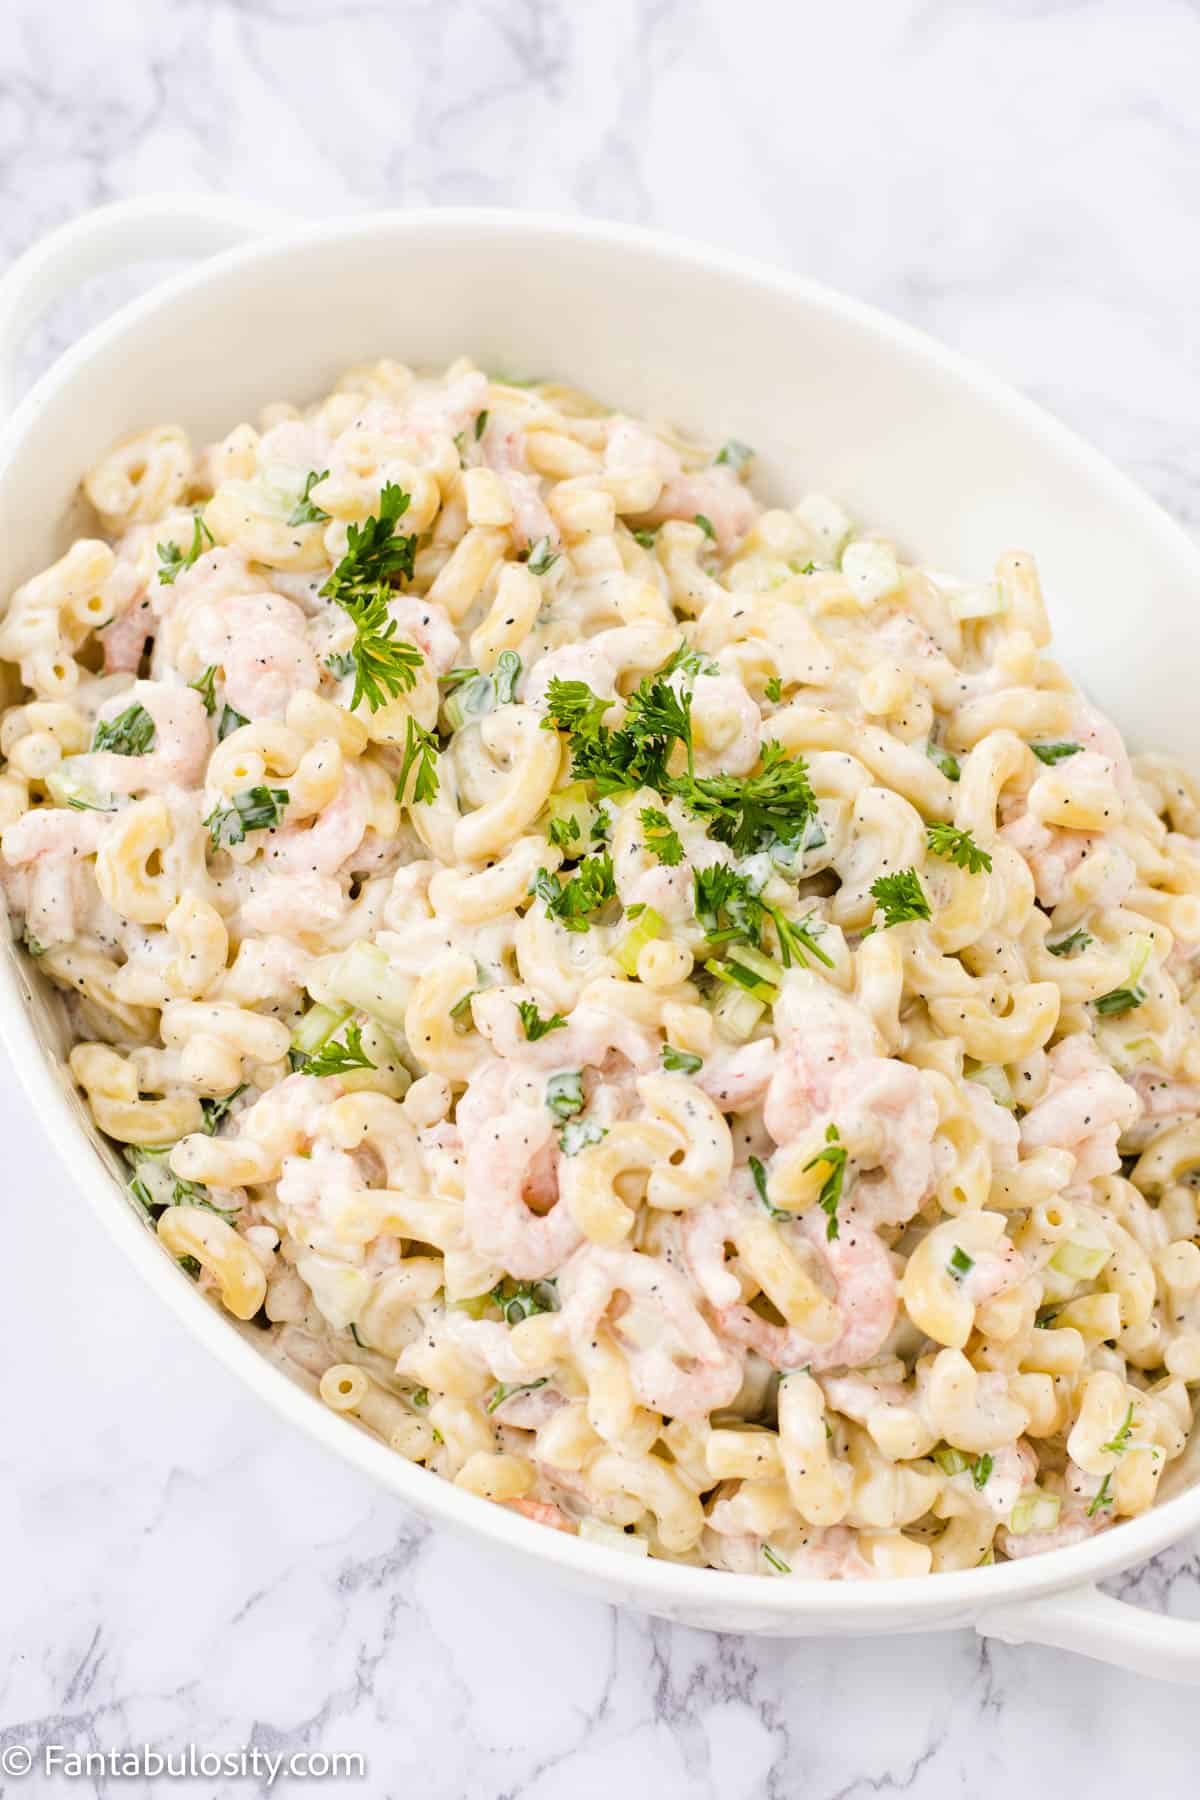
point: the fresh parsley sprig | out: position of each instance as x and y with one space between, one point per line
337 1059
535 1026
255 809
958 847
172 561
661 837
362 584
900 897
572 902
131 733
833 1156
731 910
421 752
306 511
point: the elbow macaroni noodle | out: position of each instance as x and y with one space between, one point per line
851 1231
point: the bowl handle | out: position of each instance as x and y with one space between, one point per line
130 231
1093 1624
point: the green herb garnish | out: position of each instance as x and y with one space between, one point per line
172 561
900 897
1055 753
131 733
306 511
420 748
256 809
572 902
958 847
336 1059
534 1024
661 837
834 1155
681 1062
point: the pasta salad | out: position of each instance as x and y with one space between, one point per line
669 1014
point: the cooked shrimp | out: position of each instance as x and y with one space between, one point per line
499 1224
260 642
1085 1108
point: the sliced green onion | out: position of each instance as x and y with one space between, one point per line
469 701
649 925
1080 1261
735 975
69 788
960 1264
1034 1511
564 1093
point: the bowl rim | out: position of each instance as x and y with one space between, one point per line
653 1583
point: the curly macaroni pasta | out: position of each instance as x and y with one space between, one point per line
670 1015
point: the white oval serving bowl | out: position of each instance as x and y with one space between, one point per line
834 396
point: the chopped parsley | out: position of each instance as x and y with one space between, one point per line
647 539
563 832
362 585
1078 940
542 558
960 1264
706 526
172 561
340 663
481 419
131 733
203 685
535 1026
519 1300
833 1154
1055 753
661 837
945 761
577 1134
731 910
681 1062
774 689
215 1110
958 847
564 1094
776 1561
306 511
229 721
982 1469
900 897
572 902
734 455
753 812
256 809
336 1059
758 1176
420 750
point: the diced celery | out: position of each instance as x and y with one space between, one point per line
951 1461
763 966
1034 1511
735 975
736 1013
596 1531
366 982
318 1024
646 927
476 1307
70 788
1079 1261
982 602
994 1078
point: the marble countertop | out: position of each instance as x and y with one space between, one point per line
176 1565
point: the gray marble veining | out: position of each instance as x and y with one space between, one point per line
1019 180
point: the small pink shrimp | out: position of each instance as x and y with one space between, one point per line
124 640
728 726
436 409
294 905
543 1513
427 625
503 447
1077 1491
857 1262
1085 1108
1053 855
260 641
1163 1097
49 848
325 844
181 748
737 1079
499 1224
820 1033
592 1032
677 1364
714 493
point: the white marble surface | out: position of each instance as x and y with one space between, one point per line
1020 180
